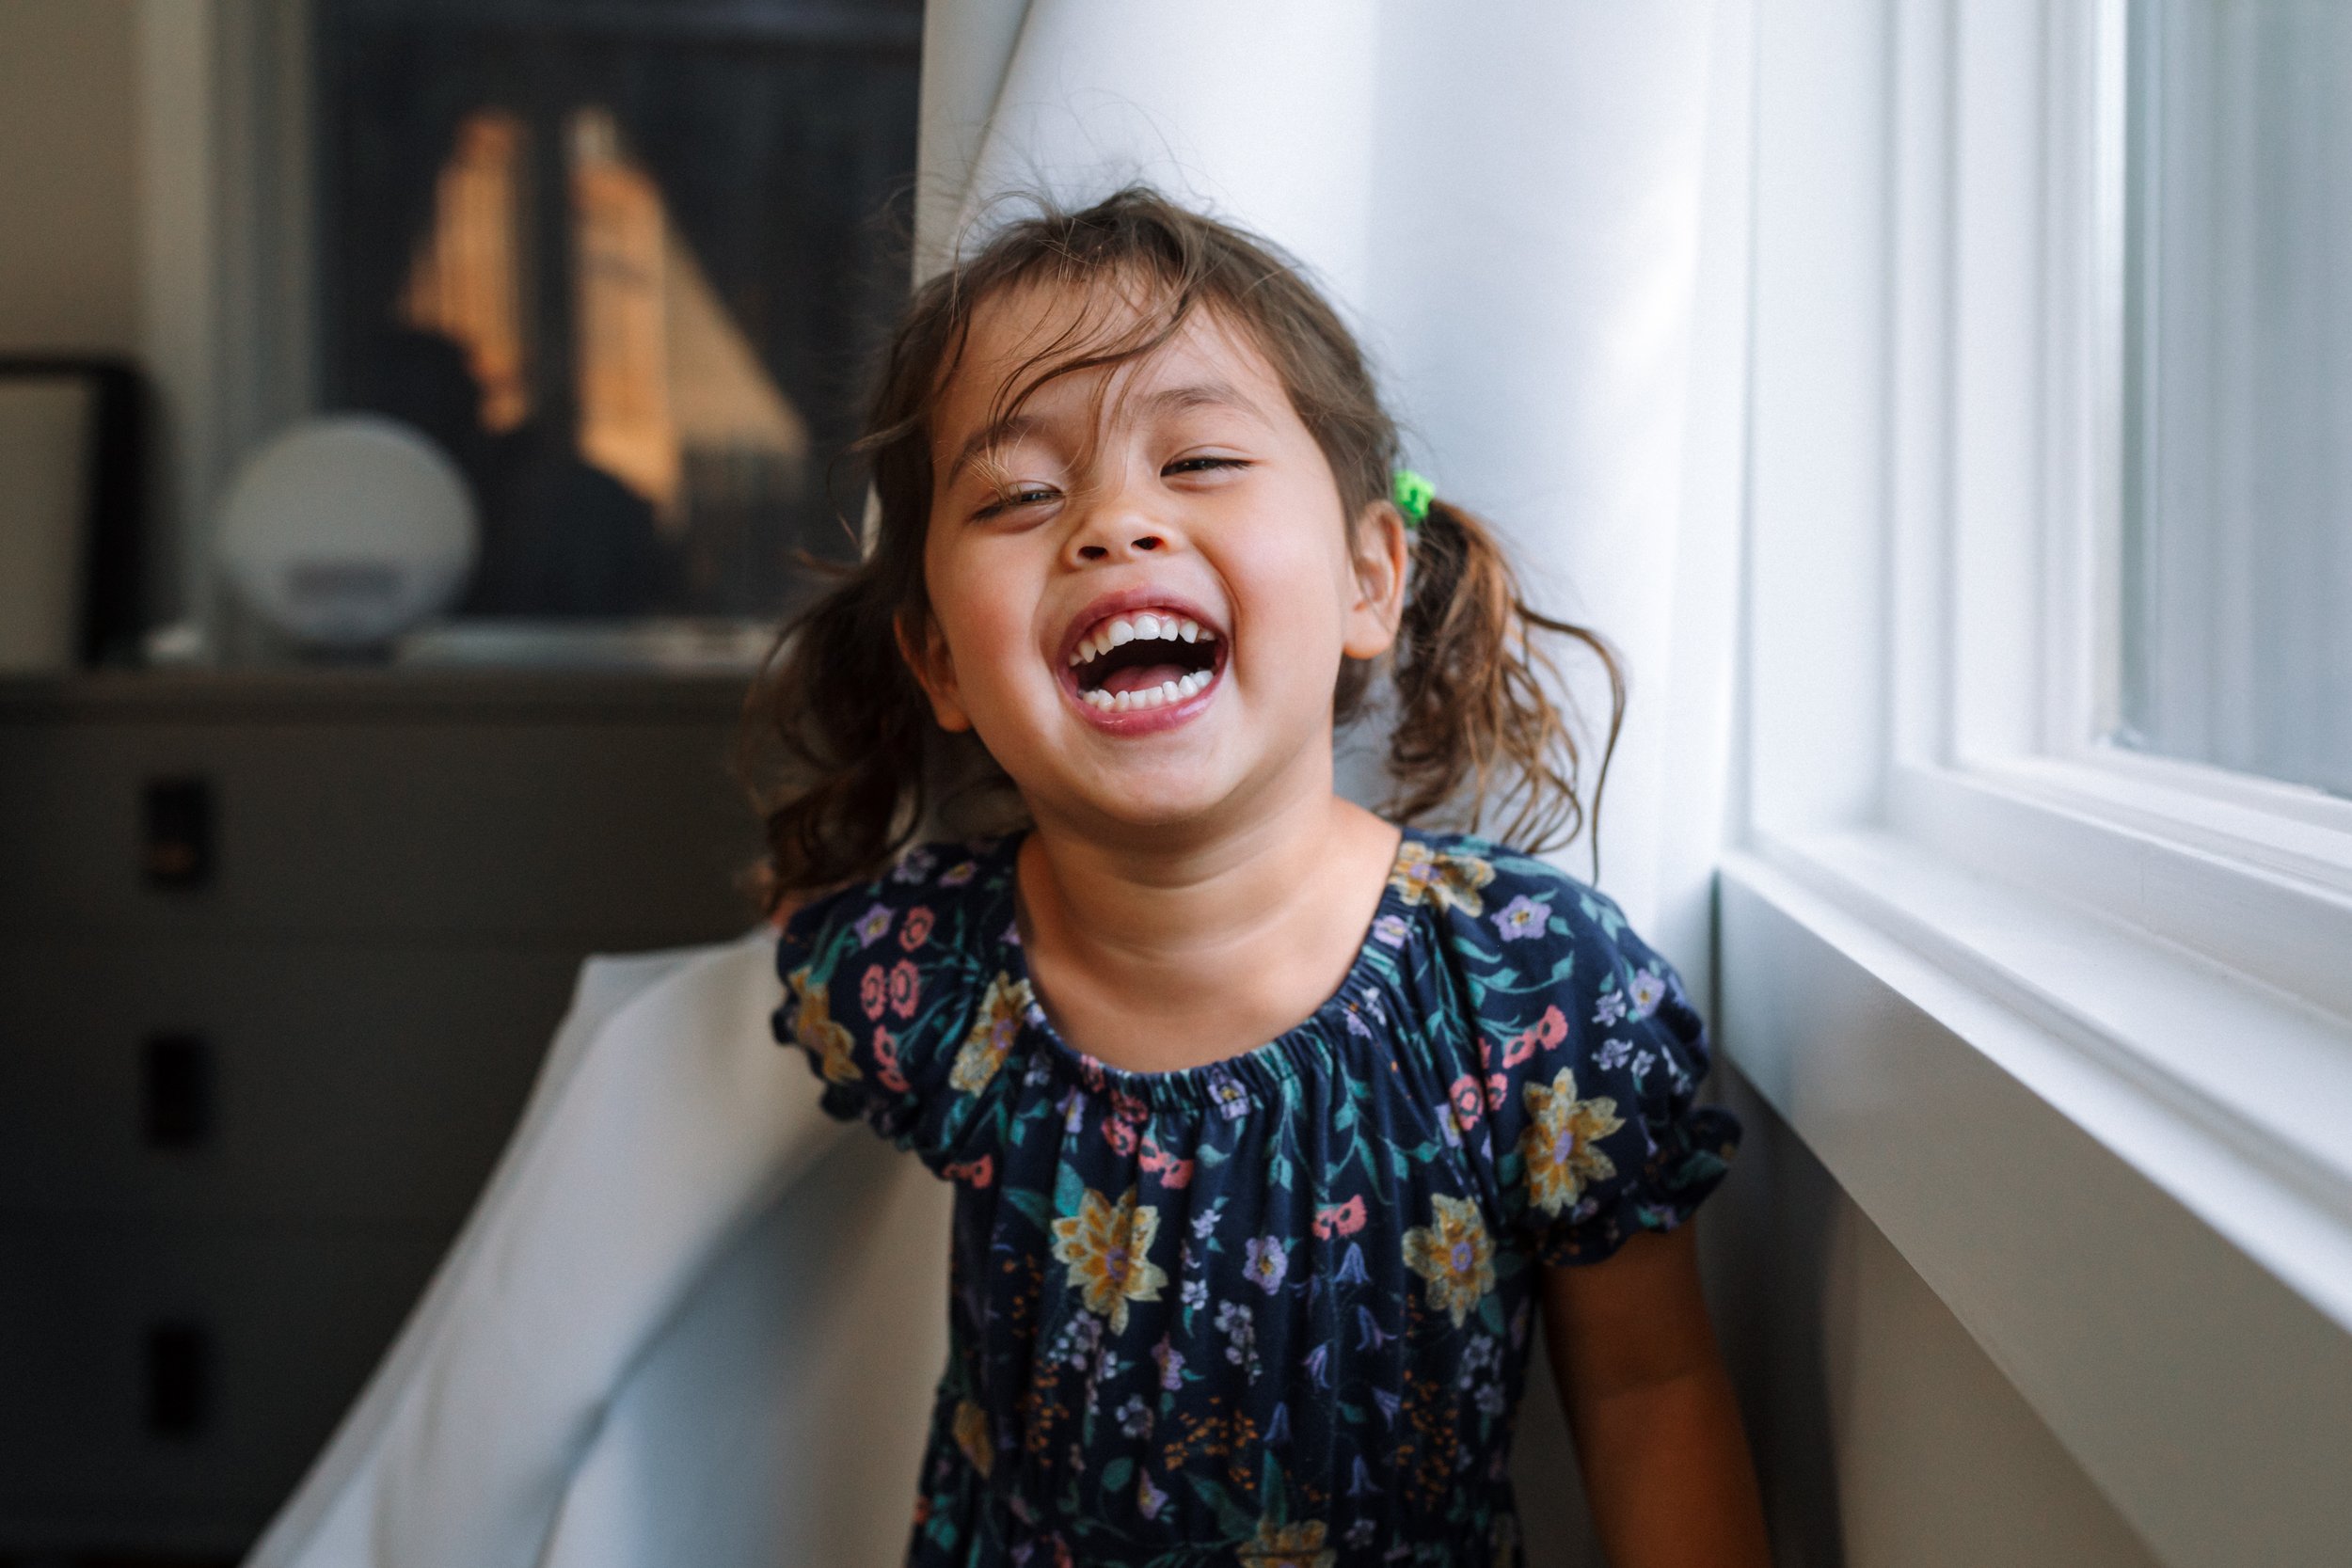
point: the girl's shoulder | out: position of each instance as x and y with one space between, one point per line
1498 900
938 903
1580 1053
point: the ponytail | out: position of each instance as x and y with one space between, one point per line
833 743
1476 720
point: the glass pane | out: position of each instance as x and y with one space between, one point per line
2237 563
626 263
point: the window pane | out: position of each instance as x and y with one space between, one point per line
2237 564
625 262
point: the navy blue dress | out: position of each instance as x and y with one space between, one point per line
1275 1309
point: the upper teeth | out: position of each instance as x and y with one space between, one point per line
1120 631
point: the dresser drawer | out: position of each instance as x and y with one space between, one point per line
166 1389
295 1081
619 835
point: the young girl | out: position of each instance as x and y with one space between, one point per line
1277 1130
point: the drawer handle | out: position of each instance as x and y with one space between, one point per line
179 1380
177 848
176 1091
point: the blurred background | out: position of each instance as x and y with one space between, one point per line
287 919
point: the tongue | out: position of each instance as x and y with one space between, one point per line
1142 677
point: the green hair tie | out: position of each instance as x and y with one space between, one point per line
1412 494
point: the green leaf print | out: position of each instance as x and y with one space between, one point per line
1118 1473
1230 1519
1070 1191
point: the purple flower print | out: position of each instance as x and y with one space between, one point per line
1269 1261
1648 992
872 924
1388 930
1521 918
1171 1363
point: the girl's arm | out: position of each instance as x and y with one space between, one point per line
1657 1433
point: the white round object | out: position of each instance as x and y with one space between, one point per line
345 532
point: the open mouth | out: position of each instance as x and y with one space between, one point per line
1144 661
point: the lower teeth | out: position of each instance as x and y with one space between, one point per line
1150 696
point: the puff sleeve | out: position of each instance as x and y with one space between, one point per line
885 991
1585 1066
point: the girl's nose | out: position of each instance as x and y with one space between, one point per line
1141 541
1117 525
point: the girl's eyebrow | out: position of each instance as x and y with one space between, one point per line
1167 400
987 438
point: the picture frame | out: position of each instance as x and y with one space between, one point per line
71 512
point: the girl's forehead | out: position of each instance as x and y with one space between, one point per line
1027 331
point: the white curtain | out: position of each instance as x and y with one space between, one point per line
1535 212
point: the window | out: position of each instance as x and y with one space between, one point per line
625 262
2236 580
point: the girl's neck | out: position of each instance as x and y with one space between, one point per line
1158 952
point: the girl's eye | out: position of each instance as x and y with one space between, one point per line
1202 464
1029 495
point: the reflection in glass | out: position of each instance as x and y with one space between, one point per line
2237 514
626 263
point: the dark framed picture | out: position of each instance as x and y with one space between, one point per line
69 504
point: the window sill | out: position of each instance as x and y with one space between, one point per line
2125 1168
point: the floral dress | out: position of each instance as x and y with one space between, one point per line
1275 1309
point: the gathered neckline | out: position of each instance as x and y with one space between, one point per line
1225 1083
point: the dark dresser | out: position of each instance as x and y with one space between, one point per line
278 957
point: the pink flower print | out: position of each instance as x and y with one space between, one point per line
1551 1028
917 931
979 1173
1521 918
873 990
1129 1109
1469 1104
1120 1135
872 925
1341 1219
1498 1091
906 988
887 1062
1521 1047
1171 1171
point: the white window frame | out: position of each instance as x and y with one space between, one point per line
2072 1024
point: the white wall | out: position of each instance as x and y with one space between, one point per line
69 217
1885 1436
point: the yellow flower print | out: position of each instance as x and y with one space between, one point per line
972 1436
1558 1143
992 1037
1453 1254
1439 878
816 1030
1108 1247
1297 1545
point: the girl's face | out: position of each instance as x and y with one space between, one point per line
1142 584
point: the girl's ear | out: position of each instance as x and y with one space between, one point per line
1383 554
933 667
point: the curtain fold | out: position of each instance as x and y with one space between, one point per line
1534 213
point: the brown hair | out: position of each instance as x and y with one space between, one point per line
839 745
